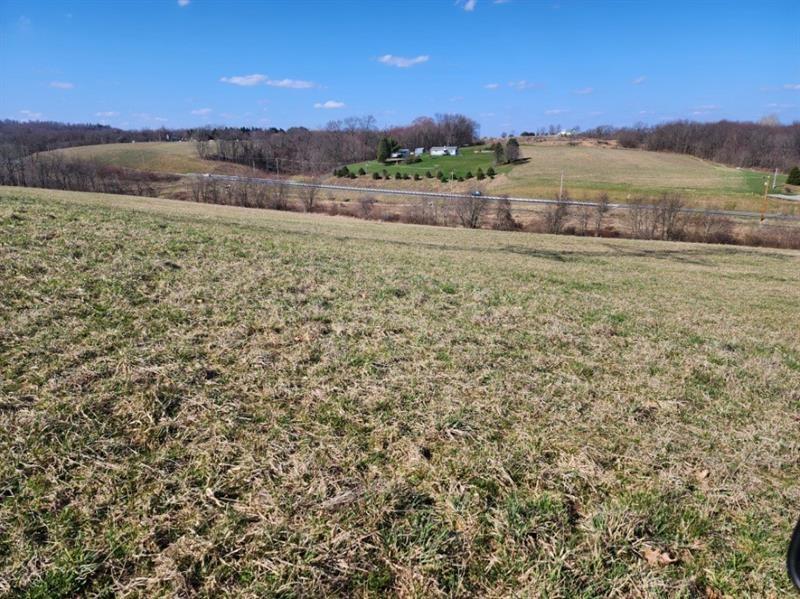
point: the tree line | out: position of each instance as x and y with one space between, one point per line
760 145
314 151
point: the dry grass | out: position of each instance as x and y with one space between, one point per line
157 157
624 174
204 400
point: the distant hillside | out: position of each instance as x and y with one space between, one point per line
759 145
590 168
157 157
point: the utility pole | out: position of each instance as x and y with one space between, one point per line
561 188
764 205
775 178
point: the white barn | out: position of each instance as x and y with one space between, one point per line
444 151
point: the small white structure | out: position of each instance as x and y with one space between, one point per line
419 151
401 153
444 151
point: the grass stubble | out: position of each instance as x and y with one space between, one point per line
204 400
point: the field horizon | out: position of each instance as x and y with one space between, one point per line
200 399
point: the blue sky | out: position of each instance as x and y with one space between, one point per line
509 64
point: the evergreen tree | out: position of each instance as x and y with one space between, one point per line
479 174
490 172
794 176
512 150
469 175
499 155
386 146
429 174
361 171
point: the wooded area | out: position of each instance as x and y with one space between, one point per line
742 144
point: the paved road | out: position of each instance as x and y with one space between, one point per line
456 196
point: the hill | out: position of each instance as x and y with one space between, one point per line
199 399
590 168
158 157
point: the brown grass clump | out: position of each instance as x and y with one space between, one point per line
209 400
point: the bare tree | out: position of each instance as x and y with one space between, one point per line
584 217
555 216
504 220
601 209
469 210
308 194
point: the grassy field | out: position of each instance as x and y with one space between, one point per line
468 160
625 173
160 157
205 400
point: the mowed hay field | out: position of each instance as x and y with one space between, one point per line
625 174
204 400
155 156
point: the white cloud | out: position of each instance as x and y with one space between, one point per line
160 119
291 83
639 80
792 86
183 3
402 62
201 111
106 114
554 111
31 115
492 85
329 105
584 91
523 84
245 80
259 79
62 84
469 5
501 1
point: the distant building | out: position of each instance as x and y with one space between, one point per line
419 151
401 153
444 151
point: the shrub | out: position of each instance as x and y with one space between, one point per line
397 175
439 174
361 171
461 179
479 175
352 176
365 206
376 176
490 172
428 174
417 177
406 176
794 176
469 175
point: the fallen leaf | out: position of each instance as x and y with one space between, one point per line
654 557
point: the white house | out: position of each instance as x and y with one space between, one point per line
401 153
444 151
419 151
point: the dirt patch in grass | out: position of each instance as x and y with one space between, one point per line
201 399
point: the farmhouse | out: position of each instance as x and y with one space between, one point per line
444 151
